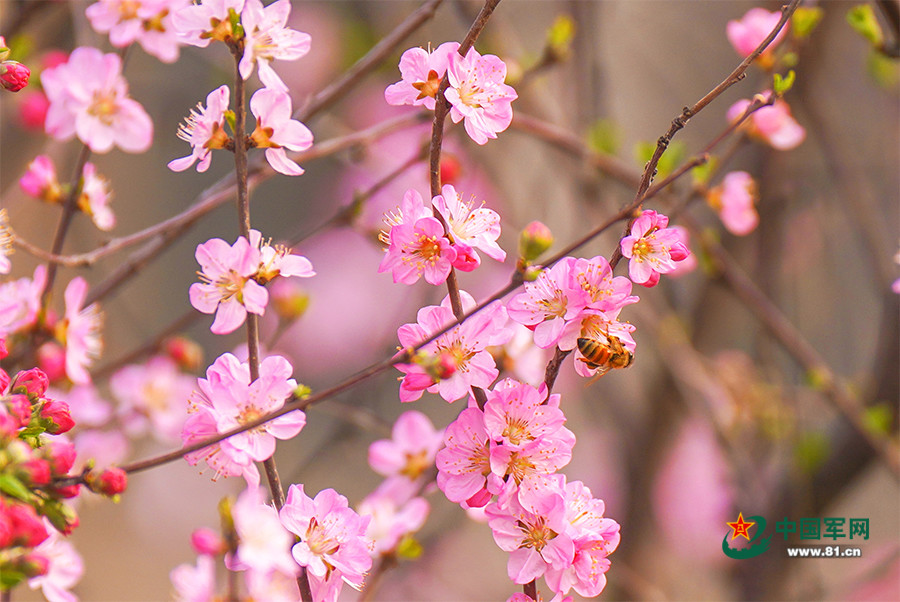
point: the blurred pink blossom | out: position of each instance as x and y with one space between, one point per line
89 97
773 124
734 200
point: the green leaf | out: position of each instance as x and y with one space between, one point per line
805 19
877 418
671 158
862 19
702 173
559 37
782 84
12 486
811 451
603 137
883 69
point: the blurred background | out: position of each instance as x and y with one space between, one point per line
714 418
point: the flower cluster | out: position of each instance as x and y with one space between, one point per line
32 457
92 196
419 247
233 278
262 35
227 399
476 90
505 459
78 332
147 22
575 304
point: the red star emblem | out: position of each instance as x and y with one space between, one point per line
740 527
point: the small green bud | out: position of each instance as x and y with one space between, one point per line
862 19
534 240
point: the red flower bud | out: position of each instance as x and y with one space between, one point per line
14 75
57 418
31 382
60 455
28 528
19 408
35 472
184 352
51 358
110 482
3 350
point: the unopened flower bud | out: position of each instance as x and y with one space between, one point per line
184 352
56 417
205 541
35 472
534 240
61 516
32 565
438 367
32 382
289 300
3 350
27 527
451 169
4 49
61 456
109 482
14 75
19 408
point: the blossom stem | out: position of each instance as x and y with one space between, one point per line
530 589
65 220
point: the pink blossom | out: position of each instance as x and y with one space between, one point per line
478 95
418 250
773 124
204 130
521 358
234 401
594 537
755 26
526 472
421 72
266 37
652 248
549 302
734 201
410 451
277 260
89 97
536 542
201 425
13 75
333 545
466 344
390 521
94 198
148 22
516 414
65 568
464 462
606 292
478 228
197 24
88 407
195 583
227 288
82 332
276 131
20 301
40 181
153 398
263 544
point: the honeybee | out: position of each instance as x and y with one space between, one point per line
604 356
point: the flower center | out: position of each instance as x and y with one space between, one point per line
536 535
416 464
104 106
429 87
